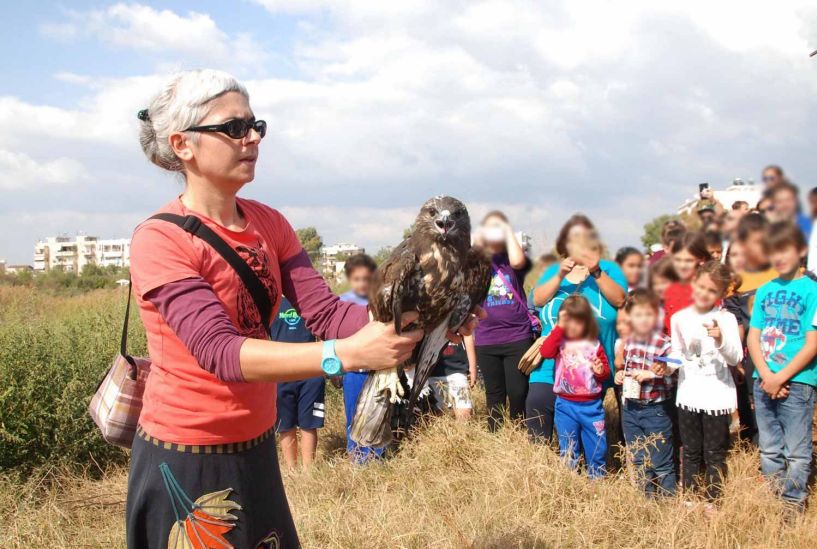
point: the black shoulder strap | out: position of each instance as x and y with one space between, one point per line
194 226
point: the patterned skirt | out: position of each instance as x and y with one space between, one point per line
220 496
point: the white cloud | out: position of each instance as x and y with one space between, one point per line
19 171
194 36
617 110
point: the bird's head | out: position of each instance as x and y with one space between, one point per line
444 218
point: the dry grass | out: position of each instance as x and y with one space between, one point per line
454 485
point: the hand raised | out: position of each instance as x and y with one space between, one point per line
714 331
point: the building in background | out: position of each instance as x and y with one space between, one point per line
333 258
113 252
72 254
18 269
738 190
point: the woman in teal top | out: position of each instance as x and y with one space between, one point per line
582 271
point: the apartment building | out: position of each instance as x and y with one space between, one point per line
333 258
72 254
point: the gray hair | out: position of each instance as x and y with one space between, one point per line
182 103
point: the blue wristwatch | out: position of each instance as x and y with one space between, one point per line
330 363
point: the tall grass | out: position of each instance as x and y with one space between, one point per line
53 352
453 485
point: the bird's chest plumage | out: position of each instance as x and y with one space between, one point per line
439 281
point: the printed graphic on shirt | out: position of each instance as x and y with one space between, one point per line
783 310
574 369
499 293
249 319
290 317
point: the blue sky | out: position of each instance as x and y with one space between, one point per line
540 108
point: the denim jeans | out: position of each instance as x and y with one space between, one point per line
652 459
785 439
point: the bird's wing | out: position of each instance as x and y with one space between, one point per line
428 353
475 286
395 285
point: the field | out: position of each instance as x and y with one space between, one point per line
454 485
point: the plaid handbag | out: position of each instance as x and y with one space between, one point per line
117 402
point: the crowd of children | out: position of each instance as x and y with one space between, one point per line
717 336
710 336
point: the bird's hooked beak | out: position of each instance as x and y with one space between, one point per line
444 223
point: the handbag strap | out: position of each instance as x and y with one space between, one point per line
534 321
194 226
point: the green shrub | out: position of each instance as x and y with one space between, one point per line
53 352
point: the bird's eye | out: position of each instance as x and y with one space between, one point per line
432 212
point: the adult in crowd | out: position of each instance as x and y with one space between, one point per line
205 431
581 271
772 176
671 231
503 337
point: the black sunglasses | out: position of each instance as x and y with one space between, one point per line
236 128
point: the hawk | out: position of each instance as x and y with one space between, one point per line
437 273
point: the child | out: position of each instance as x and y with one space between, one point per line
736 256
756 271
647 398
631 262
688 254
671 231
453 377
783 345
714 245
359 270
706 341
581 368
300 404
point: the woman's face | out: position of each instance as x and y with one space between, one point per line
217 157
494 231
633 268
684 264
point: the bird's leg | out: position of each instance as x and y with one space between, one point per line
388 380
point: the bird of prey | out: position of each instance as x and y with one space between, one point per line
437 273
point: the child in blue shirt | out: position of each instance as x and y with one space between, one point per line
359 270
300 404
783 345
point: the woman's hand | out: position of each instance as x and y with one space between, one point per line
378 346
567 265
472 377
644 375
469 326
590 259
619 379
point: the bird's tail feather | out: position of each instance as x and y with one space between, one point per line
371 425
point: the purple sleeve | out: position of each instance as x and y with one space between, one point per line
325 314
195 314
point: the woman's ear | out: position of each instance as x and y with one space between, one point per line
181 145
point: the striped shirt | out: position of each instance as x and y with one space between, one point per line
640 354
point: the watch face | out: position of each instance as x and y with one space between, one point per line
331 366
